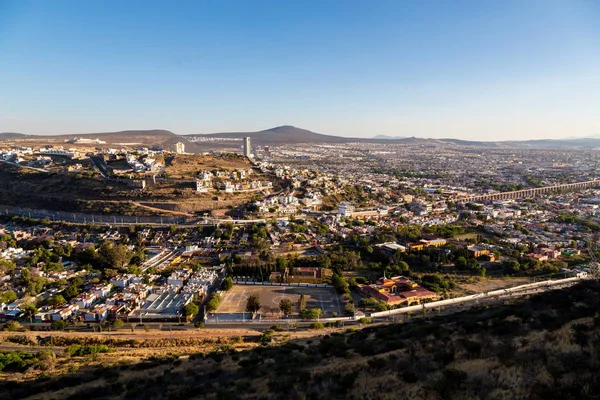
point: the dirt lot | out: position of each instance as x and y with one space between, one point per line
234 301
187 166
485 285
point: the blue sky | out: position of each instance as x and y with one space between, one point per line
486 70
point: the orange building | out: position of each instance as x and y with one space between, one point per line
397 290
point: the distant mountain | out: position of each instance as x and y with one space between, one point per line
150 138
555 143
288 134
12 135
386 137
285 134
460 142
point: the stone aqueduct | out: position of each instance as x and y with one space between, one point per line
528 193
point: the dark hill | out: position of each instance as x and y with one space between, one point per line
12 135
285 134
152 138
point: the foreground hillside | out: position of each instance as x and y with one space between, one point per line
546 347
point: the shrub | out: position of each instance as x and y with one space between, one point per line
77 350
118 324
365 320
317 325
12 326
46 360
266 337
59 325
16 361
349 309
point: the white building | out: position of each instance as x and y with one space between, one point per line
346 209
247 147
179 148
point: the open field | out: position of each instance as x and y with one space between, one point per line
325 298
486 285
188 166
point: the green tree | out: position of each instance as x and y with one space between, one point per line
349 309
253 304
302 303
286 306
313 313
461 262
6 266
57 300
213 303
29 311
190 309
59 325
227 284
281 263
115 255
71 291
8 297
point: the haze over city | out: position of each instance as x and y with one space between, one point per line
471 70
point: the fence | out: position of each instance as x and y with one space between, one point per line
96 219
215 319
62 216
320 285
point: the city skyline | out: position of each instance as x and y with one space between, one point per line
471 71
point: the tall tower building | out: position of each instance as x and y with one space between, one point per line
247 147
179 148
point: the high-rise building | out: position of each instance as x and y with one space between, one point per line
179 148
247 147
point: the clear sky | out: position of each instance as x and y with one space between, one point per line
486 70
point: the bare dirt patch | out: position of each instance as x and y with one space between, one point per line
325 298
486 285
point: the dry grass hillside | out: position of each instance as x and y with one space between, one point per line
173 196
187 166
545 347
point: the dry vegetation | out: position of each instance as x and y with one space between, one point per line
184 166
545 347
175 196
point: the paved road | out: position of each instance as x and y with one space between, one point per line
99 164
24 166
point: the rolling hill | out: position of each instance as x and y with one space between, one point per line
288 134
12 135
285 134
151 138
